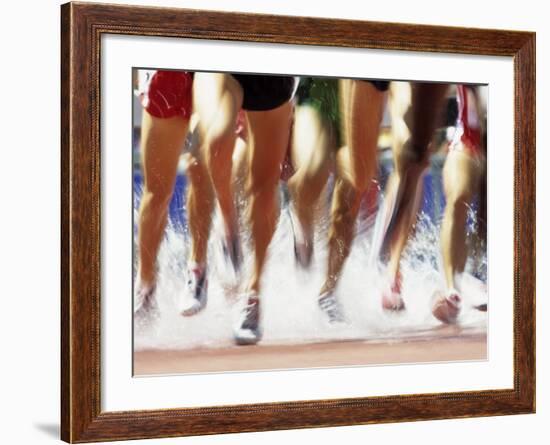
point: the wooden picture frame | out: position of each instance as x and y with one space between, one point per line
82 25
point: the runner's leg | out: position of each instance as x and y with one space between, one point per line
355 168
312 146
161 143
268 141
217 99
461 176
410 161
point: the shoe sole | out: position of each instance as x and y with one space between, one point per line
192 311
240 341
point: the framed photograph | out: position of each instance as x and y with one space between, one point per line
274 222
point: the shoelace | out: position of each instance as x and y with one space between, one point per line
330 305
250 314
147 308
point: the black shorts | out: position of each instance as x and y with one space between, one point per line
262 93
380 85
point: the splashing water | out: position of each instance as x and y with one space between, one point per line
290 313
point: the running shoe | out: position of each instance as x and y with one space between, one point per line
303 240
331 307
146 302
247 329
195 297
391 297
481 307
447 308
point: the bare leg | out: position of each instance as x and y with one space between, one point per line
240 172
200 200
410 160
200 203
312 145
217 99
461 176
345 207
399 105
161 144
268 141
267 144
355 168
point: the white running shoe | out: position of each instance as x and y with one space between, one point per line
247 328
146 309
303 240
196 295
331 307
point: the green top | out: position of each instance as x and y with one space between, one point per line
322 94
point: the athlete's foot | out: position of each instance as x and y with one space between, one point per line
447 308
391 297
303 239
331 308
146 308
481 307
195 297
247 328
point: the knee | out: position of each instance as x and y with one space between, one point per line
156 198
194 165
411 159
261 189
219 145
355 174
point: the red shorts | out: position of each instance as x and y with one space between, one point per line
167 93
468 126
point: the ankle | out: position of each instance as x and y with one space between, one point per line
253 288
327 289
196 267
146 281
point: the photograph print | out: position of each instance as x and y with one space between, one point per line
296 222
